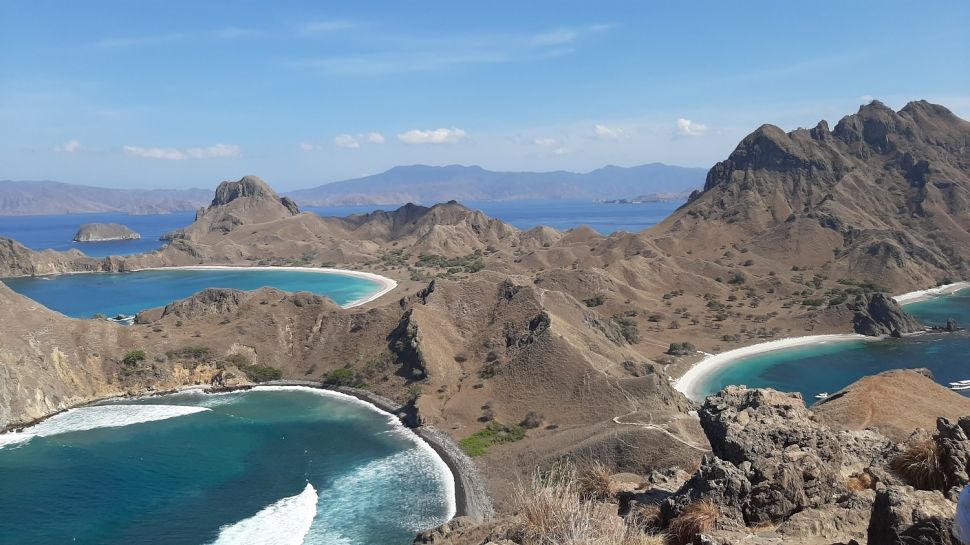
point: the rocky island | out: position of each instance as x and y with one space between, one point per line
103 232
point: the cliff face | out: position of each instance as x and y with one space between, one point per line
885 195
97 232
247 201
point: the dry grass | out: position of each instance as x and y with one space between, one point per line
646 516
595 483
860 481
919 464
556 512
697 518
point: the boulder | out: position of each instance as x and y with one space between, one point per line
904 516
879 314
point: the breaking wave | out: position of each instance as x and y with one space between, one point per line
98 416
285 522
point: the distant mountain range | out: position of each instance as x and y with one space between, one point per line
420 184
40 198
424 184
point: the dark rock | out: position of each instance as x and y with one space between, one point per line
904 516
953 446
878 314
250 186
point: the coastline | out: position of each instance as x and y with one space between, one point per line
690 382
931 293
385 283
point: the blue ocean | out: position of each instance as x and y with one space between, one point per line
827 368
57 232
267 466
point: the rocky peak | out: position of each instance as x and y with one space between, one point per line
251 187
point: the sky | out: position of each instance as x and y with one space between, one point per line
186 94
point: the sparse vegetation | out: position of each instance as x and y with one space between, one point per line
595 300
471 263
554 512
920 465
532 420
495 433
595 483
697 518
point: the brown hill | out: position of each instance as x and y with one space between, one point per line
895 402
884 196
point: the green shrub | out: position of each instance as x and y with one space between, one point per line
344 376
133 357
189 352
238 360
495 433
681 349
261 373
595 300
628 328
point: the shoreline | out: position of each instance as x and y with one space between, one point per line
691 381
386 284
470 493
931 293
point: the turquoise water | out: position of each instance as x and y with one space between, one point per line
832 366
234 471
84 295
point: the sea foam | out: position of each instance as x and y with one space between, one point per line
285 522
98 416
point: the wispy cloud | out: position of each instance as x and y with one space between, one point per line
686 127
389 54
433 136
333 25
71 146
604 132
227 33
216 151
354 141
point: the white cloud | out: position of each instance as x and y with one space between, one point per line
216 151
609 133
71 146
354 141
432 136
346 141
306 146
686 127
546 142
317 27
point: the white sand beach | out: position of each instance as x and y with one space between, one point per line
386 283
691 382
922 295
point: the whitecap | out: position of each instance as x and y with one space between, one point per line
98 416
285 522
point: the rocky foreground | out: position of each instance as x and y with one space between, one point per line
776 474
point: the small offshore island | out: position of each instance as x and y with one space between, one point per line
103 232
525 354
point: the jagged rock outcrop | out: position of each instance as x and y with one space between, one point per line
779 460
884 196
100 232
904 516
247 201
18 260
878 314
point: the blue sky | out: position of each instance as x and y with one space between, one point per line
185 94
